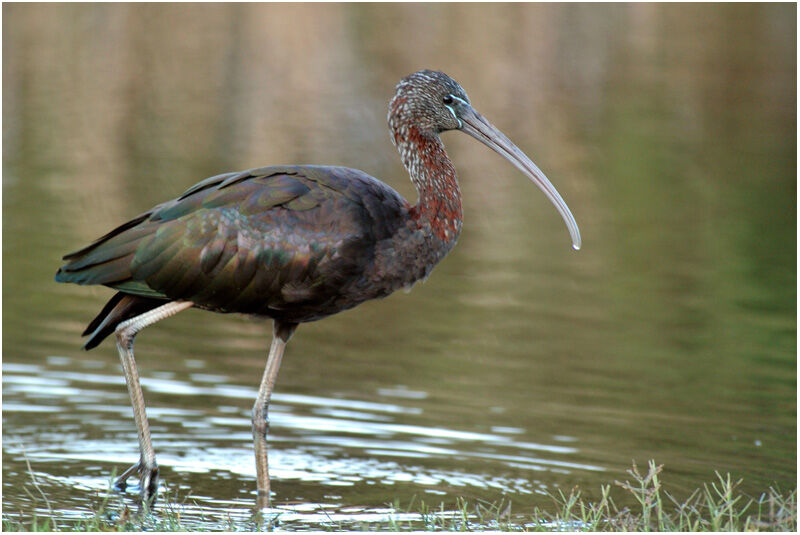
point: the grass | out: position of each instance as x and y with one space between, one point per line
717 506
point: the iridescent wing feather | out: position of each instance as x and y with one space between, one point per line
274 241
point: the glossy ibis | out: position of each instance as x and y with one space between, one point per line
291 243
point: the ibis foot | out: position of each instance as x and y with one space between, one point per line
148 480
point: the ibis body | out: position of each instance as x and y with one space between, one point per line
290 243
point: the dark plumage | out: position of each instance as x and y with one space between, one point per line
294 244
291 243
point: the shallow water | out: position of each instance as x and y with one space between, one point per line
520 367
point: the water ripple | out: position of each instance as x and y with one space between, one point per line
327 442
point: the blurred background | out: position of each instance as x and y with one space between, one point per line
521 366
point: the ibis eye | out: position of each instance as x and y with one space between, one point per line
447 99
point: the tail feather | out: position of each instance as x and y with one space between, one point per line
102 239
95 323
119 308
117 246
107 260
110 272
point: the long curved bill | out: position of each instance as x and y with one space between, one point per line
475 125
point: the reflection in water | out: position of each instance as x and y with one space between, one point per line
519 367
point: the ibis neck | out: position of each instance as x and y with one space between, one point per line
434 177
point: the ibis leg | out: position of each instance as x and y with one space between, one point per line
281 334
126 331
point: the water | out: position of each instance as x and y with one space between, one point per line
521 366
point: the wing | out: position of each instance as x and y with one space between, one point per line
277 240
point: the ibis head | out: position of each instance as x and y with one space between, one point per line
434 103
